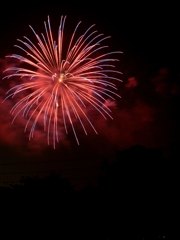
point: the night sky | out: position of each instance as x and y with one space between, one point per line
147 113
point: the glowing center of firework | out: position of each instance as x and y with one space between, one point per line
62 77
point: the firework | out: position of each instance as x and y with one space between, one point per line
59 89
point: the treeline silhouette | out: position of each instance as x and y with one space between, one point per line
137 198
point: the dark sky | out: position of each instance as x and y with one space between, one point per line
147 113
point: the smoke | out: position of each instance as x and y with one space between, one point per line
142 122
132 82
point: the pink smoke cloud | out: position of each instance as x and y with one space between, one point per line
132 82
138 124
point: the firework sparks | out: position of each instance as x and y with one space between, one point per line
59 89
